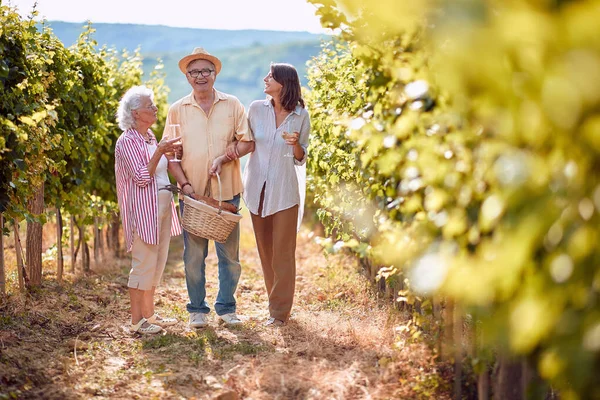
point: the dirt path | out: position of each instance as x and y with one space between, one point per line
71 341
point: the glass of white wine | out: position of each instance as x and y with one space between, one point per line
288 134
175 132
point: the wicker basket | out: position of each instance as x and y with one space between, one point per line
206 221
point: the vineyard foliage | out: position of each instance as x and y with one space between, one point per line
57 117
458 145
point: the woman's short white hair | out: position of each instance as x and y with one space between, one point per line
132 100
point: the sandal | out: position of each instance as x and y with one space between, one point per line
148 328
161 321
274 322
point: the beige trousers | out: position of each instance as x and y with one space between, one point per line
276 241
147 260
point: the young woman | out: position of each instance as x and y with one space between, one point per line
272 191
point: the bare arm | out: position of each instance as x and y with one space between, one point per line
234 151
239 149
243 148
177 173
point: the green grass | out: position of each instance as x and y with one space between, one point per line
199 344
334 304
243 348
170 340
6 321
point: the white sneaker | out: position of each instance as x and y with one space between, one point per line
230 319
198 320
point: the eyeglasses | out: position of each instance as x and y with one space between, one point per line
151 107
204 72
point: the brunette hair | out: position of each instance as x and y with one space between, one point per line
291 93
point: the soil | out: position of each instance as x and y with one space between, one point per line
71 340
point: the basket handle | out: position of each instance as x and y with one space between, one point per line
174 189
220 193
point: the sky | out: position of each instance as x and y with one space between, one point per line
281 15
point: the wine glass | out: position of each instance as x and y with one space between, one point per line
288 134
175 132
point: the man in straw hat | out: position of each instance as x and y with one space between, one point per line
208 121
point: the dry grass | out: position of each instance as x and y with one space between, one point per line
69 341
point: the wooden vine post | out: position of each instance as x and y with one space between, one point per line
59 252
2 270
19 251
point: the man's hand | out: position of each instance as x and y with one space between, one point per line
232 151
216 165
188 190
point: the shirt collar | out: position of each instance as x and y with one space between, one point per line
189 99
133 133
296 110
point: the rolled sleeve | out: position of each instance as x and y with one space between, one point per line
133 161
142 177
242 128
304 133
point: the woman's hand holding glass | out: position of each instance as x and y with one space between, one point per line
170 146
175 133
291 138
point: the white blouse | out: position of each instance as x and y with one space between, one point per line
283 176
160 174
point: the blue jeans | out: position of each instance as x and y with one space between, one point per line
195 250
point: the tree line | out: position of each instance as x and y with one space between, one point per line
58 129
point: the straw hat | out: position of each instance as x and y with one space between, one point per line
199 54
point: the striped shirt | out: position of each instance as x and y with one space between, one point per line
137 191
268 164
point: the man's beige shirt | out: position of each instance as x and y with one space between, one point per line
205 137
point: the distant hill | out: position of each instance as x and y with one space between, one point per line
245 54
159 38
243 68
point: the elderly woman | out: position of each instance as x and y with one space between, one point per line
274 182
148 215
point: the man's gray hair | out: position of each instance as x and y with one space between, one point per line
132 100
